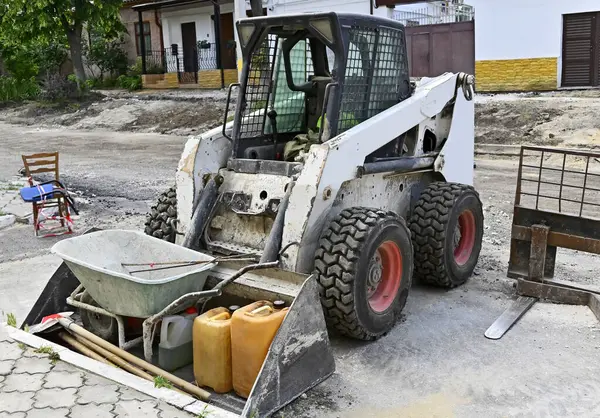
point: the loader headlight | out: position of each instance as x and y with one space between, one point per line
246 30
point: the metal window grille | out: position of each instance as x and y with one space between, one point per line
561 181
354 102
376 68
258 88
267 68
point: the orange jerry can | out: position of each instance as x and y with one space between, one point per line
253 328
212 350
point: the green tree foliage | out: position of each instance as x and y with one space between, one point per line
57 20
106 52
32 59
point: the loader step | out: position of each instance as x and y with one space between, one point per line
233 249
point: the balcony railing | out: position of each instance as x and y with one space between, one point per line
435 14
176 60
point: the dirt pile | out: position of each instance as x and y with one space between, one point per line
165 112
559 118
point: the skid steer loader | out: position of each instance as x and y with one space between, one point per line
341 176
334 152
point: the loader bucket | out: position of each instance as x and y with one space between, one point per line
299 357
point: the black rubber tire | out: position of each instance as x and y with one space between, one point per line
342 259
162 219
103 326
432 225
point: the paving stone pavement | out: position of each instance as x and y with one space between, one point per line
32 387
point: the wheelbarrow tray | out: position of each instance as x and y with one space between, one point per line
97 259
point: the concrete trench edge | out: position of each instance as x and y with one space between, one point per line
176 399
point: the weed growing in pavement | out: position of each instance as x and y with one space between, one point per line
204 413
52 355
161 382
22 346
11 320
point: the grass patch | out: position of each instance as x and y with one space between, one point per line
204 413
52 355
12 186
11 320
161 382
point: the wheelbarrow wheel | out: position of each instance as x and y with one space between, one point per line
103 326
162 219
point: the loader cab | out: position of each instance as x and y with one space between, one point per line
307 78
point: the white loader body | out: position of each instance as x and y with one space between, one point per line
329 180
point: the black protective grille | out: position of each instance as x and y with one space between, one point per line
376 74
258 88
266 67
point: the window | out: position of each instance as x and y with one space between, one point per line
147 38
290 104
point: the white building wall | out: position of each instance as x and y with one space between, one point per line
416 7
173 18
514 29
278 7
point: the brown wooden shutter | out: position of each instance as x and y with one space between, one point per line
579 50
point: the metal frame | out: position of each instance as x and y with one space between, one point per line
346 28
75 300
545 223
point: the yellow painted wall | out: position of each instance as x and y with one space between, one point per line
160 81
516 75
211 79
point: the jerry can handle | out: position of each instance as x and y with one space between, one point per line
260 310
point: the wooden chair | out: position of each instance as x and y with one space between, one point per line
49 194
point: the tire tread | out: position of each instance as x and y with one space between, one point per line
428 229
336 264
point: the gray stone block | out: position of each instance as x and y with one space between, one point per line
23 382
55 398
135 409
48 413
98 394
61 366
6 366
16 402
10 350
167 411
32 365
92 411
15 415
56 379
94 380
128 394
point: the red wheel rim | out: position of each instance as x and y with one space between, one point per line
384 276
465 237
